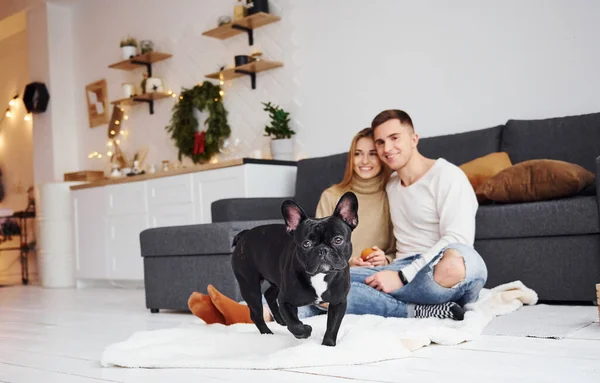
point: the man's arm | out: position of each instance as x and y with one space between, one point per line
457 206
390 250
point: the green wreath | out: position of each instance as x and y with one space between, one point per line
199 146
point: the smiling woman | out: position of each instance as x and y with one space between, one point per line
366 176
366 162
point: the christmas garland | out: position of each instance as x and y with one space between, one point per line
199 146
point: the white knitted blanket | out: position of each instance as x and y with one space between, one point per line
197 345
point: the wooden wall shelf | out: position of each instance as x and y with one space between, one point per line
147 59
247 24
147 98
250 69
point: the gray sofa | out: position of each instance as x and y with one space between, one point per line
551 246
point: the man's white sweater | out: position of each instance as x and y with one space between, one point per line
435 211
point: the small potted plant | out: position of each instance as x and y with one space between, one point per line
282 147
128 48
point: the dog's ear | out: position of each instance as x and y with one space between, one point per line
292 214
347 209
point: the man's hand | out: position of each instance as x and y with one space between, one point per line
386 281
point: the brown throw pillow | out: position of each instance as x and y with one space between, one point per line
535 180
482 168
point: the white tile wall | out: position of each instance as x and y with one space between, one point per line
454 66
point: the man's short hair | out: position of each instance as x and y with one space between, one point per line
392 114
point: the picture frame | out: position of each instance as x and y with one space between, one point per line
97 103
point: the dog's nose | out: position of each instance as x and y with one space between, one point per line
322 252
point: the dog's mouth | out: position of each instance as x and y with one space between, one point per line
327 268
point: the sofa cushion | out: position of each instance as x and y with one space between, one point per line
569 216
462 147
535 180
574 139
315 175
482 168
204 239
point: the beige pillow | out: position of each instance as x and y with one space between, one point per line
482 168
535 180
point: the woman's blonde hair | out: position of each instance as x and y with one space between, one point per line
346 182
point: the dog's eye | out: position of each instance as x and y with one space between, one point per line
338 240
306 244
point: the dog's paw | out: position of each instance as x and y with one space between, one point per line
328 342
301 332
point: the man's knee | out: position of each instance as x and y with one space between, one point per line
450 270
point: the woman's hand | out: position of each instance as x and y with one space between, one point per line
377 257
358 262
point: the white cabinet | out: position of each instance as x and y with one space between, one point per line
169 191
123 246
248 181
109 218
88 226
175 215
213 185
126 217
171 201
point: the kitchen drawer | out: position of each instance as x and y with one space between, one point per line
129 198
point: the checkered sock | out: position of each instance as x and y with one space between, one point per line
445 310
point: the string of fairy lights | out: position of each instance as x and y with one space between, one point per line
110 144
10 111
114 142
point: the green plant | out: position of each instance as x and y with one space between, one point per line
129 42
280 122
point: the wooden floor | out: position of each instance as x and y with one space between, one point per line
59 335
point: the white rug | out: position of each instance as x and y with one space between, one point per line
241 346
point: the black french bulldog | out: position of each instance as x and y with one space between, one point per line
305 262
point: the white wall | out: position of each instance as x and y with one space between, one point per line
176 28
61 84
39 71
55 138
16 155
10 7
454 66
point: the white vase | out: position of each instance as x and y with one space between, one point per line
154 84
128 51
282 149
128 89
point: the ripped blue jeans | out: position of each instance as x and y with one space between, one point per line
423 289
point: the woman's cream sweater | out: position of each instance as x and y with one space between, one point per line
374 225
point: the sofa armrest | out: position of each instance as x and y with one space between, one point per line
200 239
247 209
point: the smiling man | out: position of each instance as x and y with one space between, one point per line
432 207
